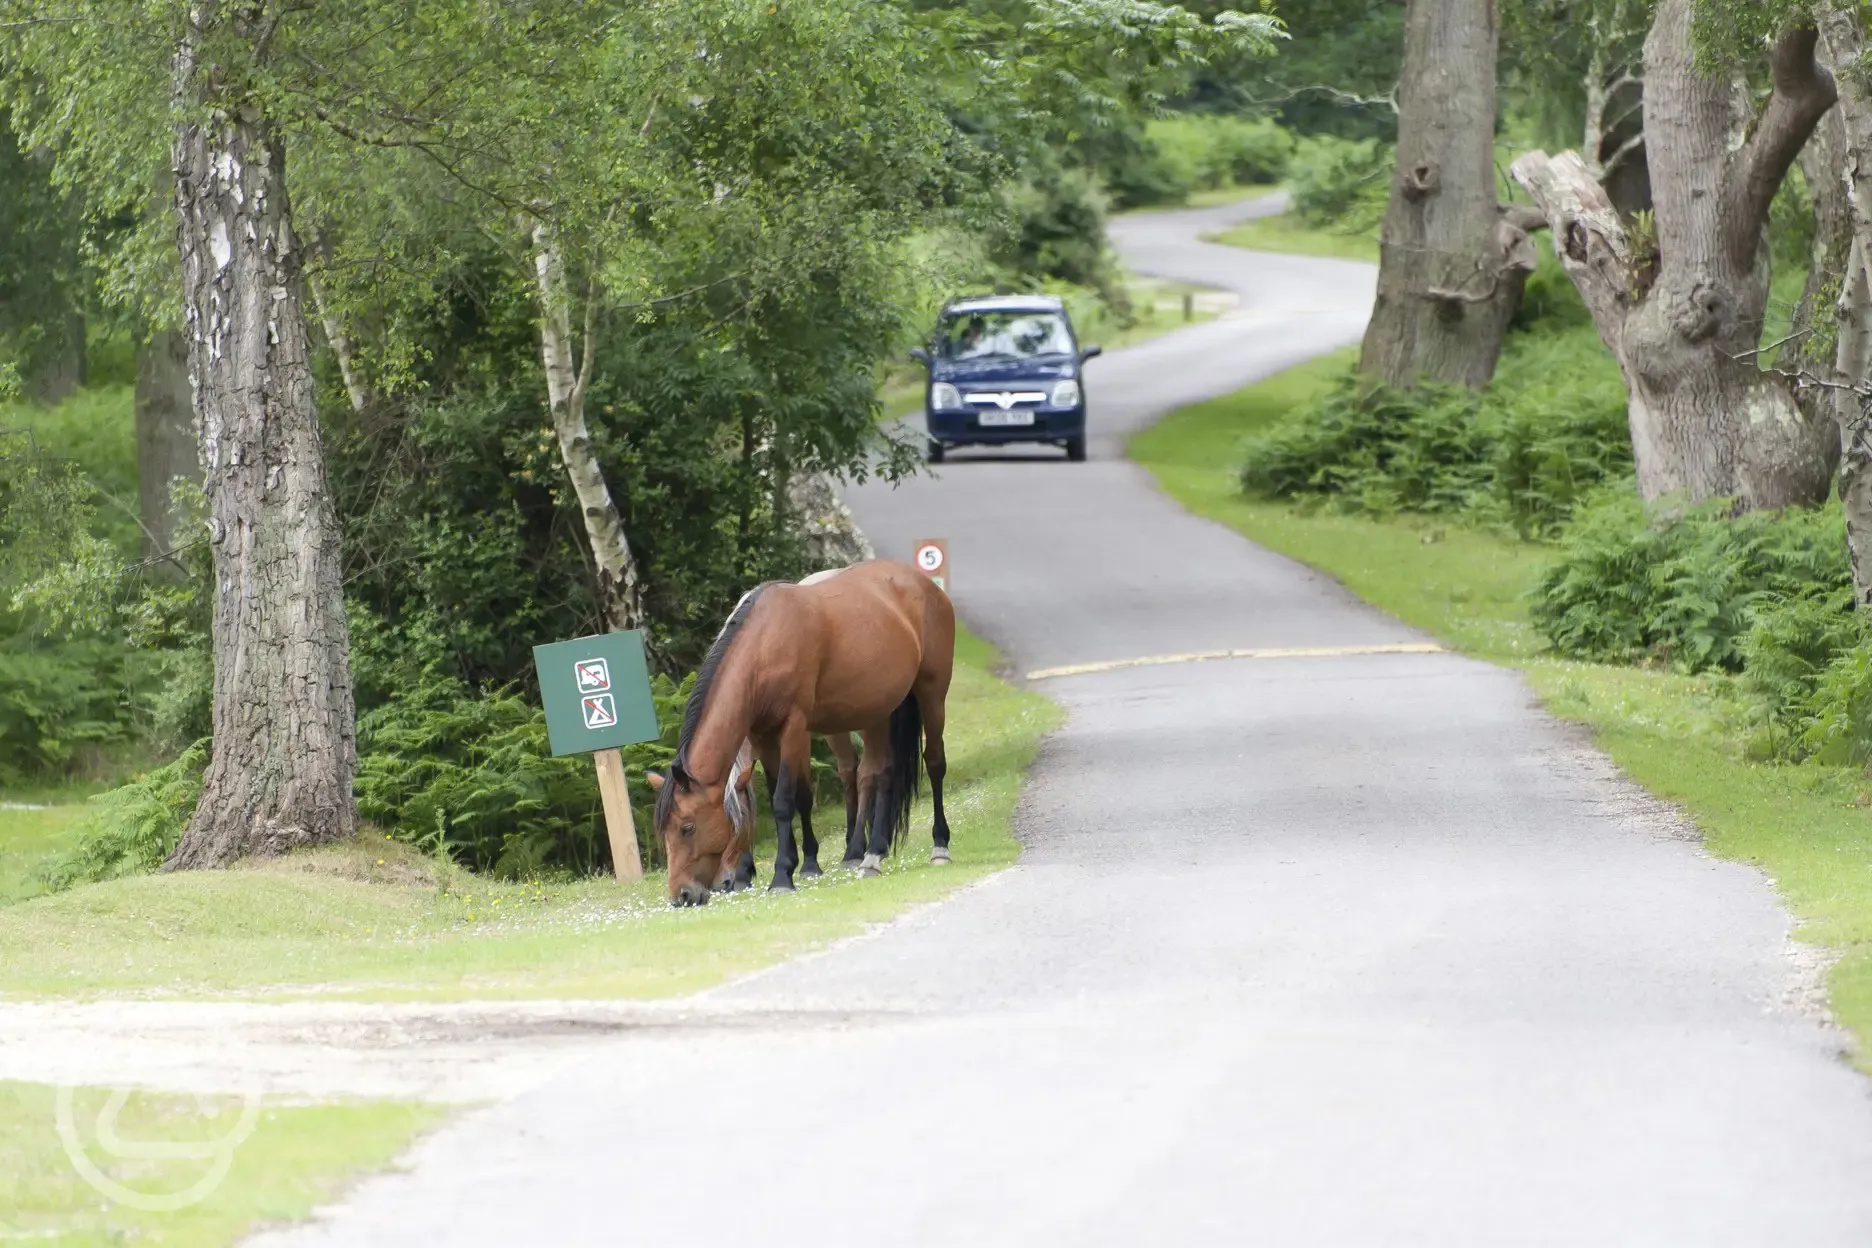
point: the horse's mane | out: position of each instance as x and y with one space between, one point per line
680 776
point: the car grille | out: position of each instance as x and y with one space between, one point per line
1005 399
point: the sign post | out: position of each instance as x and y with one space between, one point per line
597 696
932 560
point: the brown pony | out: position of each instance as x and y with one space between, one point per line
870 651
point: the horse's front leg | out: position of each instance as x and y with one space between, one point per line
795 761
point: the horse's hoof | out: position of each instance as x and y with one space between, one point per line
869 873
811 871
870 867
850 864
779 887
939 857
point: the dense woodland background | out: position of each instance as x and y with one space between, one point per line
680 254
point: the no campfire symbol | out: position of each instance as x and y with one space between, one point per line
594 675
600 710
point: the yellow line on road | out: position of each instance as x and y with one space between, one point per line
1204 656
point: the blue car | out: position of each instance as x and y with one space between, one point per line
1005 369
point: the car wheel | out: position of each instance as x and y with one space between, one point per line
935 452
1075 449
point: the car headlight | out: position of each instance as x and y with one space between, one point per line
1066 394
945 398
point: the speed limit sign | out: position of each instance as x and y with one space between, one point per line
932 560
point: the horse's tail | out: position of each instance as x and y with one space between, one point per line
906 766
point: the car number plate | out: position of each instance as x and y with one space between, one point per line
992 420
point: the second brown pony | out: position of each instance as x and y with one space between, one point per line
870 651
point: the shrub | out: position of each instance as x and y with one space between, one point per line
473 778
1341 182
1520 455
1196 151
60 702
1685 592
132 829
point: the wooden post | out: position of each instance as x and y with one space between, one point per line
618 821
1189 306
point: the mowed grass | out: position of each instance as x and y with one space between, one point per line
1683 738
295 1159
1289 235
369 922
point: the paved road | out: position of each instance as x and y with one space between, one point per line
1344 951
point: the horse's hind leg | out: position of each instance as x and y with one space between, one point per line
873 786
848 780
931 696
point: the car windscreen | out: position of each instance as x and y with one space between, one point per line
1003 335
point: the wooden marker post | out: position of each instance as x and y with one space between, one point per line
932 560
597 696
620 825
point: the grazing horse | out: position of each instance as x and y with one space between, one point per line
869 650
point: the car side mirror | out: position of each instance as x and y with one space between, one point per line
920 354
1089 352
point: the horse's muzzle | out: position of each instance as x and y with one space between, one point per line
690 894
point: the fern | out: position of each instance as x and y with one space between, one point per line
132 829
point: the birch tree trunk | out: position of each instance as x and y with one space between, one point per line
620 591
1453 264
1843 42
284 732
165 434
1683 313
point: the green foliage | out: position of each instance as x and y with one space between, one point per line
1687 591
1334 75
471 779
1341 182
132 829
1521 454
62 704
1200 152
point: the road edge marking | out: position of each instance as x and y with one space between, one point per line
1205 656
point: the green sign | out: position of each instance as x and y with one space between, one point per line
597 693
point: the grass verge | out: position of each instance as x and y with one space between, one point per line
1287 234
296 1158
1683 738
363 922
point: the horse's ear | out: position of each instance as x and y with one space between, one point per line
656 781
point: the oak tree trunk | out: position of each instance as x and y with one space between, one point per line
620 591
1683 311
1453 264
284 732
165 434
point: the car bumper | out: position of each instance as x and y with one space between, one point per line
965 428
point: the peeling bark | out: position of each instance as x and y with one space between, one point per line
620 591
1683 314
1843 44
1453 264
284 745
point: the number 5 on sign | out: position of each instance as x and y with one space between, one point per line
932 560
597 696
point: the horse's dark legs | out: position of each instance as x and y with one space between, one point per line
848 779
795 750
744 871
931 695
803 802
874 783
785 856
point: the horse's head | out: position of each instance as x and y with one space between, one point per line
700 825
